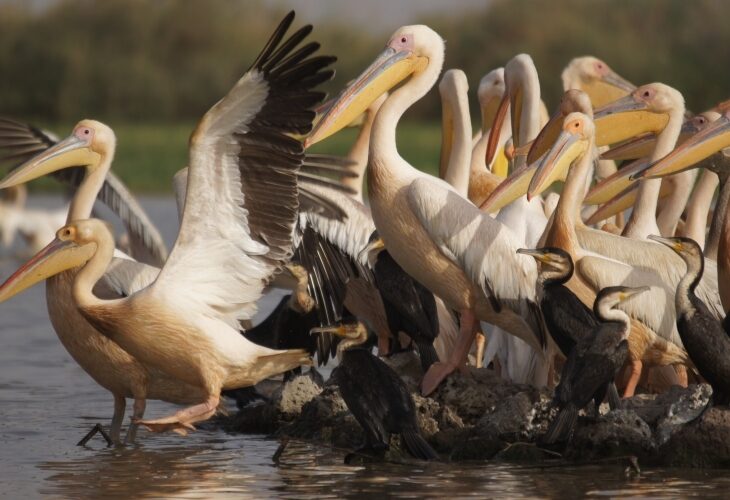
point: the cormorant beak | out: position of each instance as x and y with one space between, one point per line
627 292
673 243
389 68
70 152
346 331
56 257
556 162
607 89
374 246
536 253
615 184
715 137
626 118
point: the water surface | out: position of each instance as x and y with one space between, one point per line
47 403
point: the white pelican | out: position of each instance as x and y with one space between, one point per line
455 131
437 236
594 77
238 223
20 142
36 226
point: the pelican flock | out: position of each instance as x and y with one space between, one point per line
520 258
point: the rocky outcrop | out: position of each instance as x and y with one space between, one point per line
477 416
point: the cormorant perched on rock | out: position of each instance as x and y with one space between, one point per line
594 362
704 338
375 394
568 319
409 306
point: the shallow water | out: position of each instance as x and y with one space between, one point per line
47 403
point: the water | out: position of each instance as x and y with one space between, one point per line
47 403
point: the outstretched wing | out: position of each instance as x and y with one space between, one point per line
242 199
19 142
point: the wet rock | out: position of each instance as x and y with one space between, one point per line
619 433
292 396
704 442
688 404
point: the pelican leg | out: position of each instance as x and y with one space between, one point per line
120 405
481 341
636 366
183 420
439 371
138 412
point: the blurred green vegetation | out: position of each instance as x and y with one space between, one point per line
133 63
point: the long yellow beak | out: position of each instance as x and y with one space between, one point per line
556 162
607 89
624 119
56 257
622 201
494 132
509 189
546 138
715 137
617 182
70 152
643 146
389 68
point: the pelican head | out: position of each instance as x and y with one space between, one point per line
646 109
521 82
408 53
88 143
715 137
597 79
490 92
573 142
73 246
556 264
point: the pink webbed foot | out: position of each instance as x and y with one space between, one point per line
182 421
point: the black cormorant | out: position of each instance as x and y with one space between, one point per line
409 306
375 394
704 338
594 362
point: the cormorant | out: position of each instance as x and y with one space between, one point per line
704 338
568 319
594 362
375 394
409 306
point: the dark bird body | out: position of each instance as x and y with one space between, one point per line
593 364
376 396
704 338
409 306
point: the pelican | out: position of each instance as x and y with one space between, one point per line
216 272
456 131
708 144
36 226
437 236
21 141
594 77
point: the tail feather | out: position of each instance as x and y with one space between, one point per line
417 446
614 400
561 428
428 355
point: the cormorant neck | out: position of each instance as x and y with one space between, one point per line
551 277
606 314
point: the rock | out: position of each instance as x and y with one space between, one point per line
705 442
407 364
686 406
294 394
620 432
